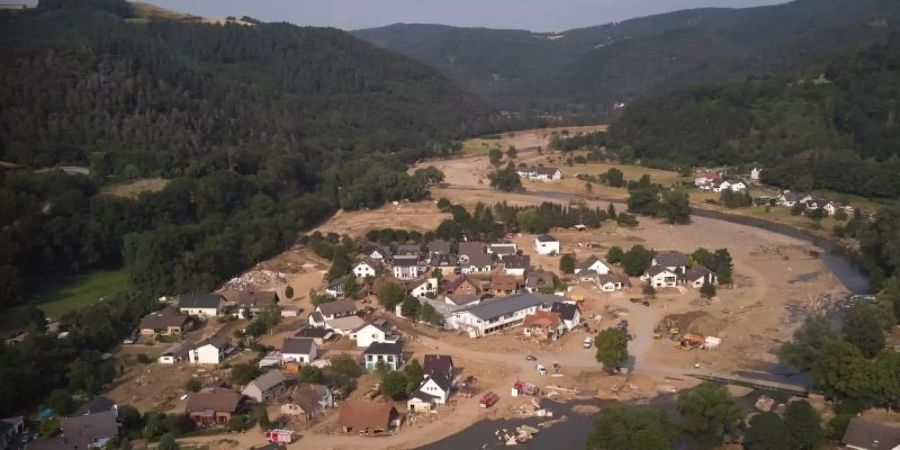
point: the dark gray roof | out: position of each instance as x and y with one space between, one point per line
442 381
338 284
408 249
538 278
95 405
503 248
383 250
439 246
470 247
867 434
566 311
199 300
696 272
517 262
455 283
406 262
587 263
256 298
546 238
671 258
438 364
491 309
480 259
269 380
302 346
313 332
345 306
162 319
384 348
656 270
445 260
219 340
82 431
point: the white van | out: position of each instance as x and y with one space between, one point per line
588 342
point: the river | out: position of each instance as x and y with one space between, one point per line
573 432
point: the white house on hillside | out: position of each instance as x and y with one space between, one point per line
546 244
367 268
594 264
375 332
660 277
301 350
211 351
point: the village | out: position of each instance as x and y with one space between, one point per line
477 330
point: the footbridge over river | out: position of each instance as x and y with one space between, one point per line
754 383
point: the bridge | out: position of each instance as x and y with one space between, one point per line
754 383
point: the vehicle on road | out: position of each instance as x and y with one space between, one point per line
588 342
488 399
530 358
541 369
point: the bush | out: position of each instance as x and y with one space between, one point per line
143 358
193 385
289 292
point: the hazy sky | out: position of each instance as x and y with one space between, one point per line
536 15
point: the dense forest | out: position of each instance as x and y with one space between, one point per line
581 74
834 127
261 130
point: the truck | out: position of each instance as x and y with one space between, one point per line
488 399
286 436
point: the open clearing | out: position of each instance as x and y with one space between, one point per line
132 189
79 291
523 139
421 216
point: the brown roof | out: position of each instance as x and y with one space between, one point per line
500 282
455 283
544 319
539 278
166 318
862 433
614 278
361 415
218 340
462 299
345 306
216 399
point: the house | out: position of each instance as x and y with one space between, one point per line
461 285
539 280
698 275
320 335
11 428
375 332
367 268
755 173
89 431
863 434
97 405
733 186
391 354
516 265
789 198
495 315
308 401
380 253
568 313
438 365
546 244
408 268
476 262
545 325
448 263
814 204
344 326
502 249
336 309
421 402
462 299
175 353
423 287
660 277
707 179
594 264
213 406
254 302
301 350
335 288
537 173
612 282
443 307
208 305
166 321
213 350
365 417
503 285
437 386
438 247
672 260
266 386
408 251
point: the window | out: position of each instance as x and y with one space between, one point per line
368 357
390 358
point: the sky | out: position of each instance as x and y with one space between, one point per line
535 15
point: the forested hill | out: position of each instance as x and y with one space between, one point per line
165 97
584 72
833 127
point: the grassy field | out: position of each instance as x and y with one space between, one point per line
131 189
777 214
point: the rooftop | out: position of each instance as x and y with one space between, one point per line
517 261
384 348
302 346
215 399
546 238
199 300
670 258
492 309
345 306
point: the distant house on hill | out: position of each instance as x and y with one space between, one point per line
207 305
537 173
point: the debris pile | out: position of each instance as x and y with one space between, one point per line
256 279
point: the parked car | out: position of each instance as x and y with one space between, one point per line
130 340
530 358
588 342
541 369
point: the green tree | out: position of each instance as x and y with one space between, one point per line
391 295
410 307
708 414
310 375
262 416
241 374
613 177
393 385
344 364
193 385
803 426
675 207
864 328
611 348
511 152
623 427
767 432
643 197
708 290
289 292
889 297
636 260
495 155
842 372
808 344
614 255
589 187
506 179
414 373
429 315
567 263
340 264
60 401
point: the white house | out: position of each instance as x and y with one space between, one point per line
335 289
476 262
543 174
423 287
698 275
211 351
378 252
568 313
336 309
660 277
546 244
208 305
407 268
301 350
367 268
373 332
437 386
733 186
594 264
755 173
502 249
516 265
612 282
496 315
